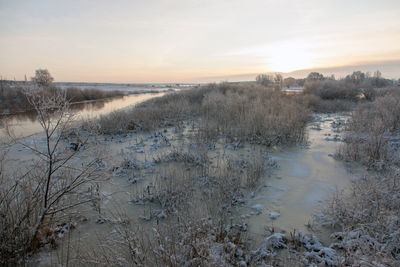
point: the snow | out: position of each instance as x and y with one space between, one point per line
258 208
274 215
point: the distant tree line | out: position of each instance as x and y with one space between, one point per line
13 93
275 81
351 87
357 78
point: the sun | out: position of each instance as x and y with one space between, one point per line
289 57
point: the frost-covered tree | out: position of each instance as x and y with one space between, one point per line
315 76
278 82
42 78
265 79
357 77
289 82
32 202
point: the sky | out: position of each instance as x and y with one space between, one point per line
195 40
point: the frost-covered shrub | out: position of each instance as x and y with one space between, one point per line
331 89
373 131
253 114
192 240
369 220
168 110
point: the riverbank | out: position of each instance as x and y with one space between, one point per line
101 96
25 124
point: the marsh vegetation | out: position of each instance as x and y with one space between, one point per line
193 161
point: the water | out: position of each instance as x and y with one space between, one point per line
126 87
306 177
26 124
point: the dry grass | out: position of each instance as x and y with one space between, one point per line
238 112
19 211
188 178
198 229
75 94
369 219
13 98
171 188
331 96
373 133
368 215
21 207
332 89
190 240
207 237
334 106
317 104
253 114
35 197
155 113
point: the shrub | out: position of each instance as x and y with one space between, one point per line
370 132
153 114
331 89
254 114
33 200
74 94
369 222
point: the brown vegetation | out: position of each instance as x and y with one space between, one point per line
368 219
195 227
373 132
368 214
199 194
252 113
13 97
343 94
332 89
34 199
75 94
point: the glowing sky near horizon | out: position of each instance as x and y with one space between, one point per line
184 40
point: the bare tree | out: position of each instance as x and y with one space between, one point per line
265 79
357 77
278 82
55 118
289 82
51 187
315 76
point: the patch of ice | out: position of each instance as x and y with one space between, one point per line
274 215
276 240
258 208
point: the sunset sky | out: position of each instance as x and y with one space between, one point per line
191 40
